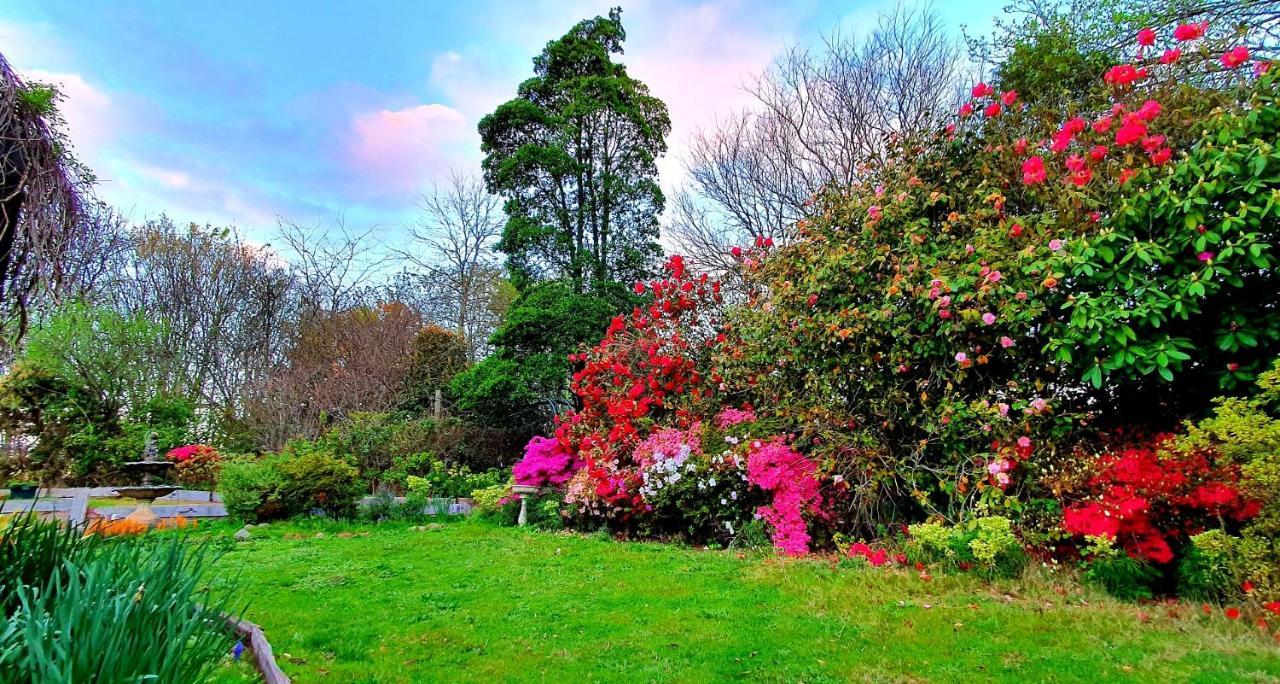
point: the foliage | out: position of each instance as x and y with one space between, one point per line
313 478
545 463
127 610
1120 574
524 381
574 155
439 479
249 487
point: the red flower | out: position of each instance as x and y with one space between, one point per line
1161 156
1075 125
992 110
1122 75
736 252
1235 57
1098 152
1186 32
1152 143
1075 163
1208 610
1247 587
639 288
966 109
1146 37
1081 178
1274 607
1131 132
1232 613
1127 175
1033 171
1171 56
982 90
1009 97
1020 146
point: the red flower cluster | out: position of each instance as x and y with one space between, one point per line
1149 500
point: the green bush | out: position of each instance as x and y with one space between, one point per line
296 481
250 488
986 544
315 479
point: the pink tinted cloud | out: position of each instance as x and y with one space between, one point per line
398 151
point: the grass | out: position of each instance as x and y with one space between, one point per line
111 501
470 602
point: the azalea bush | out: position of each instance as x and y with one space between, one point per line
196 465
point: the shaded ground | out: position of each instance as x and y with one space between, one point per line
473 603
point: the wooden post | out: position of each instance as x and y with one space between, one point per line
439 400
256 643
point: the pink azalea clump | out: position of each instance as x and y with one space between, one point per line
793 479
732 416
545 463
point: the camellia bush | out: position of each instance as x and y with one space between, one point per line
946 334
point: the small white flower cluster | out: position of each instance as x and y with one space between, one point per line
665 471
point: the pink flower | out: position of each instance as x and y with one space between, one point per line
1205 256
1186 32
1020 147
873 213
1261 67
1006 342
1146 37
962 357
994 277
1033 172
1102 125
1171 56
1024 442
1235 57
988 318
1003 408
1055 244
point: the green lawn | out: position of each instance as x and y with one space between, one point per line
475 603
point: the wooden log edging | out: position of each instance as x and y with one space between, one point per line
256 643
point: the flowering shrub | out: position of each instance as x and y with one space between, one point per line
1150 501
1027 273
196 465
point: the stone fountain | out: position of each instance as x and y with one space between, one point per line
151 468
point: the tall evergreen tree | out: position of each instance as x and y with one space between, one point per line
574 155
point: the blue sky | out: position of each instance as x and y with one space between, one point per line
237 112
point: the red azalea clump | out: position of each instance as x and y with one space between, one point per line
644 373
1150 500
875 557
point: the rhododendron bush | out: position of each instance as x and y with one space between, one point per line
943 332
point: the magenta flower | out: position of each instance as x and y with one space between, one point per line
1006 342
962 357
1205 256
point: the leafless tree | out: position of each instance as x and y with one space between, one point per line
453 262
820 117
40 186
96 255
334 266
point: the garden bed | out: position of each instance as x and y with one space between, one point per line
467 601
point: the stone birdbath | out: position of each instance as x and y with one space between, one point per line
150 468
524 492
